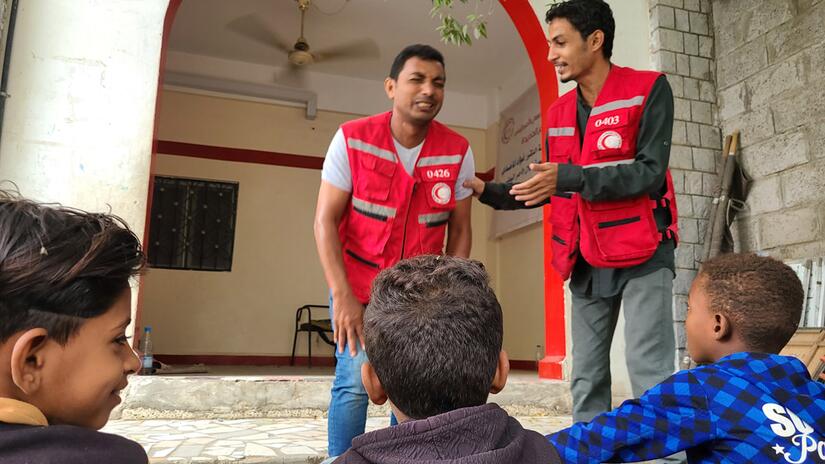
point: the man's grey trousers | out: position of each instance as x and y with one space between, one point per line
649 337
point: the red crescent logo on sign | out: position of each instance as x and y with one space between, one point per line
608 140
442 193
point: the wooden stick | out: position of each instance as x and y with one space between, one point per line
720 224
715 204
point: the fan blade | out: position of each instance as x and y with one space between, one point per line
252 27
363 48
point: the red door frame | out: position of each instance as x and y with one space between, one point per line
532 35
168 19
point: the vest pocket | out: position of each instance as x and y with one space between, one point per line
361 260
369 225
564 240
375 179
431 229
563 212
611 135
564 243
440 195
561 148
621 230
361 270
619 222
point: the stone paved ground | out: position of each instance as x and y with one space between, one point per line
254 440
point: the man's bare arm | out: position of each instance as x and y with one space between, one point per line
348 313
459 229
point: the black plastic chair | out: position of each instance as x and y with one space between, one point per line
320 326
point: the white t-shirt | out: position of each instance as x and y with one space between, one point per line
337 172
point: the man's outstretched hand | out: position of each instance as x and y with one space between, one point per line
539 187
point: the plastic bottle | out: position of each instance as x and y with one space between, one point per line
539 355
146 348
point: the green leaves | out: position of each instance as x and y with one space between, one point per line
456 32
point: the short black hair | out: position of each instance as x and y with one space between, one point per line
60 266
433 332
762 296
587 16
424 52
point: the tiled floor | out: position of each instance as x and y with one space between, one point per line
253 440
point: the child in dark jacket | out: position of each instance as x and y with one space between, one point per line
747 404
433 334
65 303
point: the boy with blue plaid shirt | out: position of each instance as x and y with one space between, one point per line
748 404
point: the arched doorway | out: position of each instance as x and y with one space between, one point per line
530 30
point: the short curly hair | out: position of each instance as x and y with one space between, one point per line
762 296
433 331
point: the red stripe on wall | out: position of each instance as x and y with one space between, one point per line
240 155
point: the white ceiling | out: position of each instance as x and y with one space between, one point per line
202 27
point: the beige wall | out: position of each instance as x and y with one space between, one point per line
515 263
275 269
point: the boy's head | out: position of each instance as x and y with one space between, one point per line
433 331
742 302
579 33
65 302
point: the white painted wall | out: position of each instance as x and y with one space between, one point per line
78 125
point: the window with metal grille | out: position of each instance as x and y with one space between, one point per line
193 224
811 272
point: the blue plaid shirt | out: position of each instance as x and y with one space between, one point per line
747 407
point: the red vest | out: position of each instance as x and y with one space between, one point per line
392 215
615 233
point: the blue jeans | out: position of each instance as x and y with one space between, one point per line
348 405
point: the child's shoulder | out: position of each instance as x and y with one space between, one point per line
65 444
755 366
736 368
760 373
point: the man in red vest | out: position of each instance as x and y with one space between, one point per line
391 188
613 206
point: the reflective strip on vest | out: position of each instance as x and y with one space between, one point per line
433 219
372 210
371 149
439 160
610 163
618 104
561 131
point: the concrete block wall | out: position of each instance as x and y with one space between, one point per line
770 56
682 45
4 22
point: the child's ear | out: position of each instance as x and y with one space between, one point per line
721 327
502 371
27 360
372 384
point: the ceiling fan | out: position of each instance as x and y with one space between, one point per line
300 54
